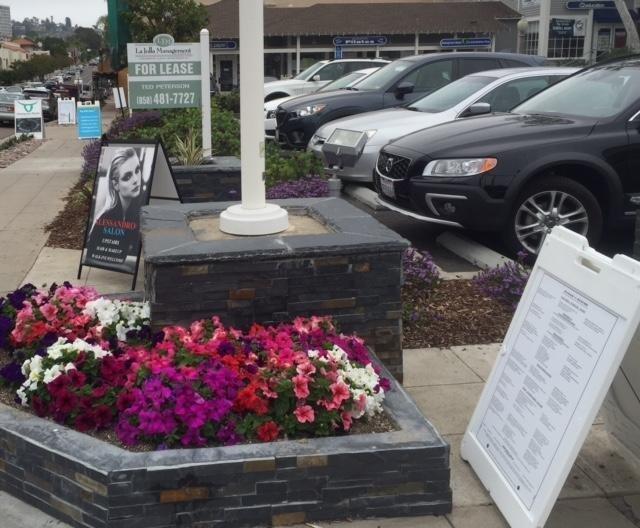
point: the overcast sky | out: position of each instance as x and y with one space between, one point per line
81 12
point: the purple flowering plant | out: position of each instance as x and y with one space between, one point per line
419 268
505 283
306 187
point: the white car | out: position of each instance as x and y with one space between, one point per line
347 81
479 93
316 76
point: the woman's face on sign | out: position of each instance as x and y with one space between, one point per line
129 179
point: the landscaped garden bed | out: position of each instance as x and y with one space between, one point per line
265 394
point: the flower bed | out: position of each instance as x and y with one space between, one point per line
91 363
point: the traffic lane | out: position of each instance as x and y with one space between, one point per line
422 236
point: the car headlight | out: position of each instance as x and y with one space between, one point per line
305 111
459 167
370 133
271 114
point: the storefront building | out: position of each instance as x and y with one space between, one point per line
296 37
581 29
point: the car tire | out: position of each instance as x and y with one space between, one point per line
546 203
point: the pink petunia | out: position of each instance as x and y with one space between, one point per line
306 369
340 392
304 414
49 311
300 386
346 420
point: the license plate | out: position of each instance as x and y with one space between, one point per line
387 187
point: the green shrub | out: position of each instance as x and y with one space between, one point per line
229 101
289 165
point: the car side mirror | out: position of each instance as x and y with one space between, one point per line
477 109
403 89
316 77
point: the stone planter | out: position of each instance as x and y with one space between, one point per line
88 483
351 271
217 181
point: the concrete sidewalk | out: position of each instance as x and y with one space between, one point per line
31 195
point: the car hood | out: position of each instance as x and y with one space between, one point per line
389 124
487 135
324 97
274 103
287 84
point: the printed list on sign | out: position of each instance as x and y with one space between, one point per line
549 364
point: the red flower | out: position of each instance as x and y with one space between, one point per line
305 414
40 407
58 385
248 400
65 401
85 422
268 432
76 378
99 392
125 400
300 386
103 416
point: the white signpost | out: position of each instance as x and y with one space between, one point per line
28 118
254 216
570 333
67 111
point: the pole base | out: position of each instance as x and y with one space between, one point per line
268 220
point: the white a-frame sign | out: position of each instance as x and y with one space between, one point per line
573 326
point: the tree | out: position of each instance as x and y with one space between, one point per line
633 41
87 38
55 46
182 19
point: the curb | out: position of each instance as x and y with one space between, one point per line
477 254
364 195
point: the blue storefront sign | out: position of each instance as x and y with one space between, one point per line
592 4
466 43
224 44
360 41
89 118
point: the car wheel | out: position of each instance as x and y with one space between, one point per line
547 203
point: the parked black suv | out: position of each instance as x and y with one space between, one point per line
568 156
398 83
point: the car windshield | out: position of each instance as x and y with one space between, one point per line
10 96
451 95
308 73
342 82
601 92
384 75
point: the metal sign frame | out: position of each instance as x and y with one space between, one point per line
612 285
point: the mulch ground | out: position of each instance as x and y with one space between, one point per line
452 313
67 229
17 152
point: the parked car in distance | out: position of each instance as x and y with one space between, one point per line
7 106
479 93
270 107
49 101
316 76
396 84
568 156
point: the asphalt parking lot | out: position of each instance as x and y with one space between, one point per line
423 235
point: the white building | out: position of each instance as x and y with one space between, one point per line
582 29
5 22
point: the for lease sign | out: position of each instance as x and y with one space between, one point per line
163 74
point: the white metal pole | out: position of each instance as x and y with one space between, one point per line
543 28
205 92
254 216
252 103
